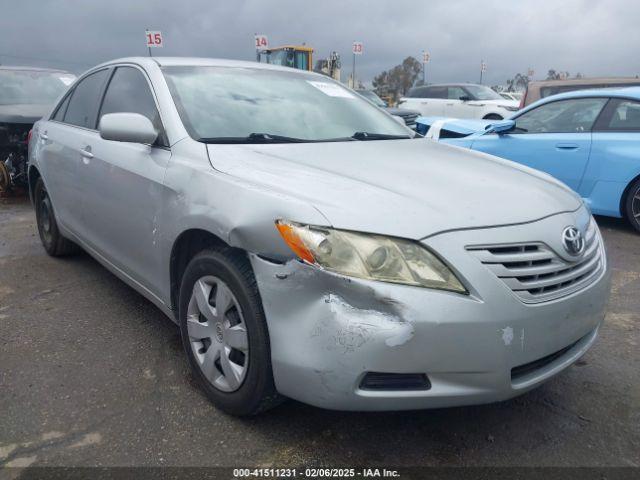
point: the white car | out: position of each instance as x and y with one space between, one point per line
458 101
516 96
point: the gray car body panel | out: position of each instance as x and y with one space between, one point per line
345 327
134 202
404 188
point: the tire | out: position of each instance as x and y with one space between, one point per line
52 240
632 205
235 373
492 116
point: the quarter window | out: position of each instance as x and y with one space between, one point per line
128 92
83 105
575 115
428 92
418 92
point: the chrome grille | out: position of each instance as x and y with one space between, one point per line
410 119
536 273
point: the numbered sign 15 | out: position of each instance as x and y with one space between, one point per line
358 48
154 39
262 42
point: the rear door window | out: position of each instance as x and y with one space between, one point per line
437 92
83 105
455 93
625 117
61 110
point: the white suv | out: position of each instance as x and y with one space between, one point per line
458 101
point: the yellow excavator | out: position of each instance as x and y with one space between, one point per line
301 57
294 56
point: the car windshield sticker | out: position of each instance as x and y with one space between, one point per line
67 79
331 89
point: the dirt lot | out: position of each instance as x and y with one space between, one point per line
93 374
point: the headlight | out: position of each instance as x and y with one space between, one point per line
511 109
368 256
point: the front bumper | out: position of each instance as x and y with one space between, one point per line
328 331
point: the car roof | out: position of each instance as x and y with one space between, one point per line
31 69
632 92
583 81
615 92
452 84
198 62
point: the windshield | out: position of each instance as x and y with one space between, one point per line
217 103
480 92
375 99
18 87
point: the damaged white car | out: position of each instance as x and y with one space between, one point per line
308 246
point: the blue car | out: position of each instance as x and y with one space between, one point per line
588 139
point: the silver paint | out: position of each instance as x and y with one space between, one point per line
129 203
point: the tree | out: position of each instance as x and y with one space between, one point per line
519 82
397 81
557 75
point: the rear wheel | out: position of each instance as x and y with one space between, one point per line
632 205
224 332
5 178
52 240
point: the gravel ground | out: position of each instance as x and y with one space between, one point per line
93 374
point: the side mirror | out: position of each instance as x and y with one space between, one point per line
127 127
465 98
500 127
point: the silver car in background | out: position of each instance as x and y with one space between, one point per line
311 247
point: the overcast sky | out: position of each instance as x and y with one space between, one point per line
595 37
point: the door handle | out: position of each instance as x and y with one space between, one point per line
567 146
44 136
86 154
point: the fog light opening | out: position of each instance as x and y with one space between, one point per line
395 381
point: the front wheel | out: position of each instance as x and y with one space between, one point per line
492 116
632 205
224 332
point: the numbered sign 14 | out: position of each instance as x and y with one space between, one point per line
262 42
154 39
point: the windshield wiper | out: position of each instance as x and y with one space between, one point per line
271 138
255 138
378 136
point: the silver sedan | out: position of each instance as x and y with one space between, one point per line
308 245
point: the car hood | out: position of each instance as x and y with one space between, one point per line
23 113
406 188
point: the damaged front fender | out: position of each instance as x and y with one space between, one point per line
326 329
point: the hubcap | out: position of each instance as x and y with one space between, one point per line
218 334
635 206
45 217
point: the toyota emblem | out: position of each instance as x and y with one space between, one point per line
573 241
